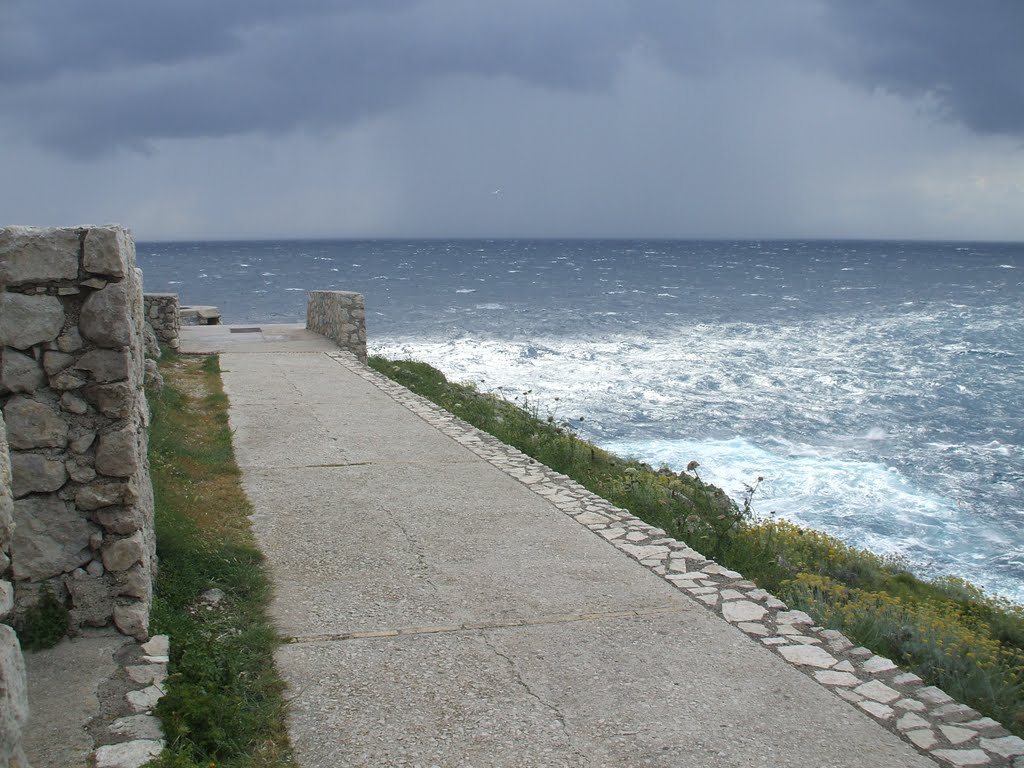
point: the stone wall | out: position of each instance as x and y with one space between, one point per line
71 390
162 316
341 317
13 689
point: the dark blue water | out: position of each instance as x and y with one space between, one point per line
878 386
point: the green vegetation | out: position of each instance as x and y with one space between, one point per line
44 623
947 631
224 702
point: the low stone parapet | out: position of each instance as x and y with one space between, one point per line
13 686
341 317
71 387
162 316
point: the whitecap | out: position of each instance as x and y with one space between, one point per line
465 290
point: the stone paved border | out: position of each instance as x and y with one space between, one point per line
938 726
128 731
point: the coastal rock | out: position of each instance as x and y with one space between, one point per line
54 361
50 538
20 373
34 425
33 473
122 554
113 400
34 255
105 365
104 249
28 320
13 698
103 317
117 454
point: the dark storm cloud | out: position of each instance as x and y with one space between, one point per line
85 77
970 55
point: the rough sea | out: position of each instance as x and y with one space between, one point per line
878 387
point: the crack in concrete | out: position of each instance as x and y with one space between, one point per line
517 675
471 626
422 568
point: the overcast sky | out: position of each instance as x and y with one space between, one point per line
443 118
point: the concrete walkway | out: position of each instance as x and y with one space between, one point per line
442 613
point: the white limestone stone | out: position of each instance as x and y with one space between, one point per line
13 695
732 594
641 552
836 640
137 727
877 691
907 678
876 709
743 610
34 473
831 677
129 754
962 757
35 254
591 518
716 570
122 554
27 320
925 738
957 735
50 538
102 319
807 656
910 721
877 664
32 424
117 454
794 617
752 628
1007 746
21 373
158 645
910 705
933 695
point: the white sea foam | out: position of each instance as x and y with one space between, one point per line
852 464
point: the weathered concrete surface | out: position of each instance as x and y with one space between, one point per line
208 339
63 684
373 521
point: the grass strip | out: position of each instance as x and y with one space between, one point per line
946 630
224 704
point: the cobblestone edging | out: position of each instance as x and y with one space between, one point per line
927 717
126 732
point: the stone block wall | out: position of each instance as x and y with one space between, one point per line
13 687
71 391
341 317
162 316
